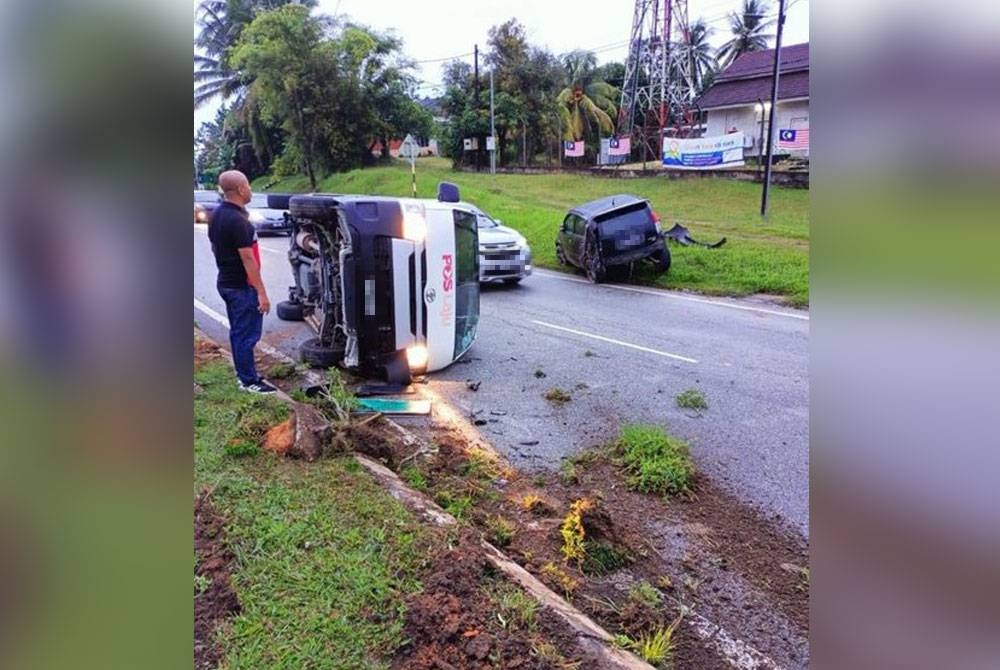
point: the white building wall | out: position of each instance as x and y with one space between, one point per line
747 119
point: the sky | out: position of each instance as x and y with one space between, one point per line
434 31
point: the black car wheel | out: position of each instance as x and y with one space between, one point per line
592 262
291 311
315 354
561 255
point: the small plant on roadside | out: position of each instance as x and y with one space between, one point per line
644 593
692 399
568 472
540 374
561 578
414 477
601 558
557 396
455 505
573 532
335 399
655 462
515 609
549 653
501 530
531 503
201 584
657 646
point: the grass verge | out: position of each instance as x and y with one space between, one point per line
761 256
324 557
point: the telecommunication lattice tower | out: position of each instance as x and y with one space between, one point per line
658 87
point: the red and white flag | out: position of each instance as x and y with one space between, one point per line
793 139
573 148
619 146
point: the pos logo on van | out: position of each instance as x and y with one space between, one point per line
448 273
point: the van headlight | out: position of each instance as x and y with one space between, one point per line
416 357
414 226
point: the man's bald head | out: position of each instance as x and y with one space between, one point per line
235 187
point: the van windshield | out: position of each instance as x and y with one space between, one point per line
466 281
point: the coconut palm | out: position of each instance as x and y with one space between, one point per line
702 63
221 22
585 102
748 27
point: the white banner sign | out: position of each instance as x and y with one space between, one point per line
703 153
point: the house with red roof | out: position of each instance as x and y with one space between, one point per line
739 100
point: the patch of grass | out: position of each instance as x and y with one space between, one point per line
515 609
414 478
568 472
761 256
654 462
692 399
318 547
644 593
201 584
282 371
557 396
241 448
454 504
532 503
335 400
655 647
549 653
601 558
501 531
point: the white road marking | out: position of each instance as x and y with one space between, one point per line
204 231
618 342
665 294
264 346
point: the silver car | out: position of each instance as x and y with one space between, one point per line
266 219
504 254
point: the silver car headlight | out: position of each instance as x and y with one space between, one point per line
256 216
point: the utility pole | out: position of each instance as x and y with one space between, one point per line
524 141
493 130
774 109
476 85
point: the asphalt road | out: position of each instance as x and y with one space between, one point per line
623 354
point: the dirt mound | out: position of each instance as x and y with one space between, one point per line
280 437
214 598
453 623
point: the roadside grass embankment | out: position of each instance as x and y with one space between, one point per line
760 257
323 557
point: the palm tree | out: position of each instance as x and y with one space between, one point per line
702 63
748 28
586 101
221 22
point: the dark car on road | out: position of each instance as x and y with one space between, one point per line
205 203
611 232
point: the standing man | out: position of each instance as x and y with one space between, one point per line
234 243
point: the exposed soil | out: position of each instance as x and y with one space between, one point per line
453 623
218 600
733 567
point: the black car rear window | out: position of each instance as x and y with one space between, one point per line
634 217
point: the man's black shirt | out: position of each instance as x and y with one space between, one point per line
229 231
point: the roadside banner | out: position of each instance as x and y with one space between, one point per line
573 148
703 153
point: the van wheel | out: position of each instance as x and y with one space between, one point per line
291 311
315 354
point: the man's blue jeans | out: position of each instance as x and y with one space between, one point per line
245 324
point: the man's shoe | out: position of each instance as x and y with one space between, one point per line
259 386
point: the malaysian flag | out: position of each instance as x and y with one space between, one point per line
793 139
573 148
619 146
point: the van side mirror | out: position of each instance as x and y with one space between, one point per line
448 192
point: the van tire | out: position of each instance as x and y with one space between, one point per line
313 353
290 311
278 200
315 207
593 265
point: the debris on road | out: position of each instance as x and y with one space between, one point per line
472 385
